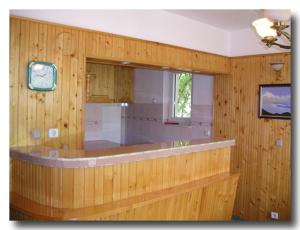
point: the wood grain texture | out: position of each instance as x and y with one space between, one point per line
68 48
109 83
189 201
129 184
265 183
62 108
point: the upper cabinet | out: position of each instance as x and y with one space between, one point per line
123 86
109 83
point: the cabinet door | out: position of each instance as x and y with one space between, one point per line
123 84
100 83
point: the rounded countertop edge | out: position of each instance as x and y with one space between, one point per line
117 158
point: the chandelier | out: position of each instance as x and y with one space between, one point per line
269 30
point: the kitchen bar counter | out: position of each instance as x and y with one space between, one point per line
51 157
179 180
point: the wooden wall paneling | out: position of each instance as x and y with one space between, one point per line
57 94
73 110
154 52
150 52
124 181
130 50
86 187
68 188
41 96
116 193
89 187
22 85
99 185
32 95
161 55
138 52
108 184
80 93
64 130
80 187
132 179
139 178
14 58
262 165
23 119
67 47
118 52
206 203
43 110
91 44
49 96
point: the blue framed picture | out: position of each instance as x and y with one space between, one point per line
275 101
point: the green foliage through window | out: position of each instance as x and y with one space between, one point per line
183 95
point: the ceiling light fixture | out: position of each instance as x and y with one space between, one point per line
270 29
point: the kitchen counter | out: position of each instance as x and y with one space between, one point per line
51 157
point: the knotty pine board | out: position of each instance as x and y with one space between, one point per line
265 182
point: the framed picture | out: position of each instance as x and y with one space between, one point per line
275 101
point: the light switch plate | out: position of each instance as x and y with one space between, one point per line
36 134
53 133
274 215
279 142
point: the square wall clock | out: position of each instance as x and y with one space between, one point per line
42 76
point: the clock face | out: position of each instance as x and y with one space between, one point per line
41 76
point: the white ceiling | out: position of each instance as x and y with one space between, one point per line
229 20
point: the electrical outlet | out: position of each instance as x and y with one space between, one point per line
207 132
53 153
53 133
274 215
279 143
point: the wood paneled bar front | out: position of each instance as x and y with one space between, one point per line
180 180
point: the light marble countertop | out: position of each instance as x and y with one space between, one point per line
76 158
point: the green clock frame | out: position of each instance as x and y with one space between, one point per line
54 76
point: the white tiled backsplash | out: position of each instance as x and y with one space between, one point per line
143 124
103 122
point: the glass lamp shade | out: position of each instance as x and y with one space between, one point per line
263 28
277 66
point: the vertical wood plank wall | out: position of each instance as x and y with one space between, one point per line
83 187
265 170
62 108
265 181
68 47
194 185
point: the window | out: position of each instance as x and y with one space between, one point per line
182 95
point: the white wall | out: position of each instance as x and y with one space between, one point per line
93 122
153 25
103 122
203 88
160 26
247 42
148 86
